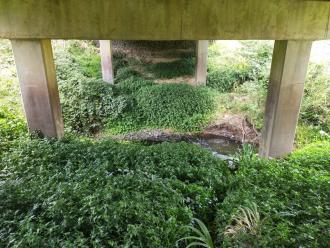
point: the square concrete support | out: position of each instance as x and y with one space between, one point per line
285 91
201 62
106 61
37 77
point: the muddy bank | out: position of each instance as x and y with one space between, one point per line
233 127
223 137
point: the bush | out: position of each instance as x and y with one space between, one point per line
249 63
106 194
88 103
126 73
292 197
178 106
225 78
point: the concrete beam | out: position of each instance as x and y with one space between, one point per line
201 62
286 87
106 61
165 19
36 73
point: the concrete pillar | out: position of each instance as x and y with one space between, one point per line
36 73
106 61
285 91
201 62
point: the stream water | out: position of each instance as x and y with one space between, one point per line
220 147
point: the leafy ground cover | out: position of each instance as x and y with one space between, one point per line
292 196
87 193
69 193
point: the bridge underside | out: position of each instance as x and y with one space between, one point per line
293 24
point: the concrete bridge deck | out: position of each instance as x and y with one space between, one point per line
165 19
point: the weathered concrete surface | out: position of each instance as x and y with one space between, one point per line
36 73
201 62
165 19
106 61
288 72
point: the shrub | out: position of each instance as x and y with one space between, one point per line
249 63
292 197
225 78
88 103
81 193
175 106
258 55
126 73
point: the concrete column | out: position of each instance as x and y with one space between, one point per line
106 61
201 62
36 73
286 87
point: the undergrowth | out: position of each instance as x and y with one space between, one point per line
82 193
177 68
292 196
103 193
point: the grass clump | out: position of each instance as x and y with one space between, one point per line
177 68
82 193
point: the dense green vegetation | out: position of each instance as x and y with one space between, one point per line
135 102
177 68
69 193
292 196
87 192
